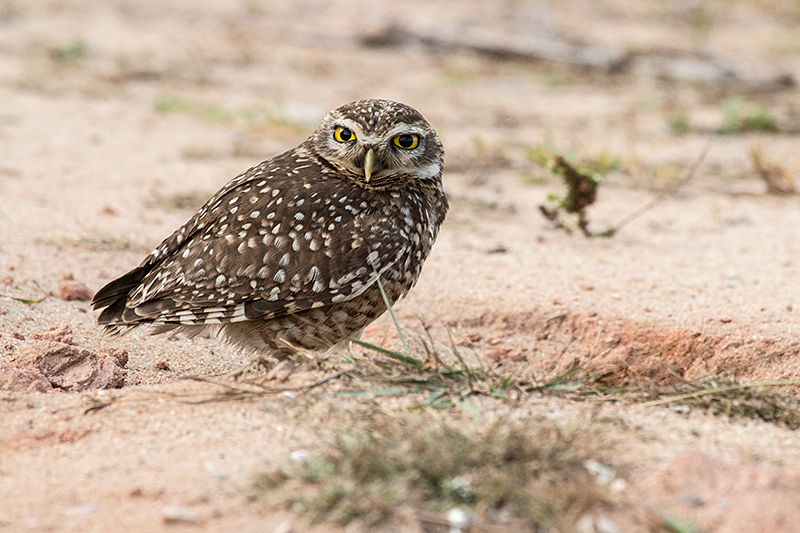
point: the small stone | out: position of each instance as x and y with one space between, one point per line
474 336
691 499
604 525
117 354
284 527
281 371
78 510
299 456
69 367
174 514
603 474
458 520
14 379
70 290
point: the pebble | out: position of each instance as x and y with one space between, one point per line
175 514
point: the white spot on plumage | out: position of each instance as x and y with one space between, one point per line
238 314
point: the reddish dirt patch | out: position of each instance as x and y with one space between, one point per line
49 361
630 352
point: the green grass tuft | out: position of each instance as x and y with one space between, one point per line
739 117
71 52
678 124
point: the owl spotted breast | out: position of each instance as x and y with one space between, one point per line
287 255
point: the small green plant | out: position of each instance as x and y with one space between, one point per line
596 165
739 117
173 104
673 525
210 113
69 53
581 193
457 78
531 178
582 176
678 124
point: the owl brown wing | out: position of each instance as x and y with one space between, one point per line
264 247
121 287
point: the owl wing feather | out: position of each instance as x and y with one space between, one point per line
262 247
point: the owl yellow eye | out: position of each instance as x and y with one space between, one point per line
407 141
343 135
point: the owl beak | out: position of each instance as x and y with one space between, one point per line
369 164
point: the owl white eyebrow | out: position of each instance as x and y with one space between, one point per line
402 127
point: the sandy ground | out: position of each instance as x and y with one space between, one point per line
104 152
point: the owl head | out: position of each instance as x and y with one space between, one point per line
377 142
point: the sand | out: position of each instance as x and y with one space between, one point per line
118 119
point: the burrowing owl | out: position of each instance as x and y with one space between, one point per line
287 255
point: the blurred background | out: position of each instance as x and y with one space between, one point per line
632 89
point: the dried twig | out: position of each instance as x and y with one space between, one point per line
665 193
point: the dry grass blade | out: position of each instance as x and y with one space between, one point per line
239 390
664 194
527 473
28 301
721 390
778 178
391 312
407 359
